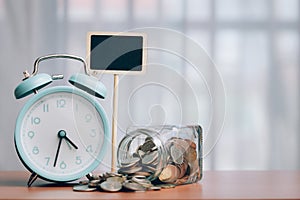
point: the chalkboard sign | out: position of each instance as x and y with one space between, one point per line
116 53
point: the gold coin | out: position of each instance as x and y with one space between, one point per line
191 155
182 180
169 174
182 168
143 173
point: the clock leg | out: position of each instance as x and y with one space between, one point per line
32 178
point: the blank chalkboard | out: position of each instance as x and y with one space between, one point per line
116 52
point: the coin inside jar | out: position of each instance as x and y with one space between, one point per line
169 174
128 162
130 170
176 153
162 155
150 157
143 161
147 146
182 168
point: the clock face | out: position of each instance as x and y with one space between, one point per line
61 134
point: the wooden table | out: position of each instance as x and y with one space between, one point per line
214 185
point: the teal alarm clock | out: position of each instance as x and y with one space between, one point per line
61 132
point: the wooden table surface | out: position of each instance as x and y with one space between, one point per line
214 185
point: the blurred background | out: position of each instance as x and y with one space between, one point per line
254 45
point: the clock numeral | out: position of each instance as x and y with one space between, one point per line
63 165
61 103
46 108
35 120
93 133
47 160
78 160
35 150
88 118
30 134
89 148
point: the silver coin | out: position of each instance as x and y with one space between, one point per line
149 168
83 188
154 149
154 188
166 186
155 162
147 146
149 158
146 184
111 186
133 186
176 154
139 177
149 138
130 170
84 182
136 155
183 143
93 183
128 162
140 153
113 174
140 180
143 173
115 179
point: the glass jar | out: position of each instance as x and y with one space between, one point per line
164 154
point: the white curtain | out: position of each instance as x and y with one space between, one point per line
254 51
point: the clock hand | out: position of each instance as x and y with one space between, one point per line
70 147
74 145
62 135
57 152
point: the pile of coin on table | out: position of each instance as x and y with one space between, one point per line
113 182
180 166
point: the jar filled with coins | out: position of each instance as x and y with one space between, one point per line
162 154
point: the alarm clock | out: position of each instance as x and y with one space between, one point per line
61 132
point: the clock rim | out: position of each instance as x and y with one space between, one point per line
21 152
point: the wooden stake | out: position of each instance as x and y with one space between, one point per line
114 124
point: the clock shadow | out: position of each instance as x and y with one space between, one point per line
54 184
44 183
22 182
12 183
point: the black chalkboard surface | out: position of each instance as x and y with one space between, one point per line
116 52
